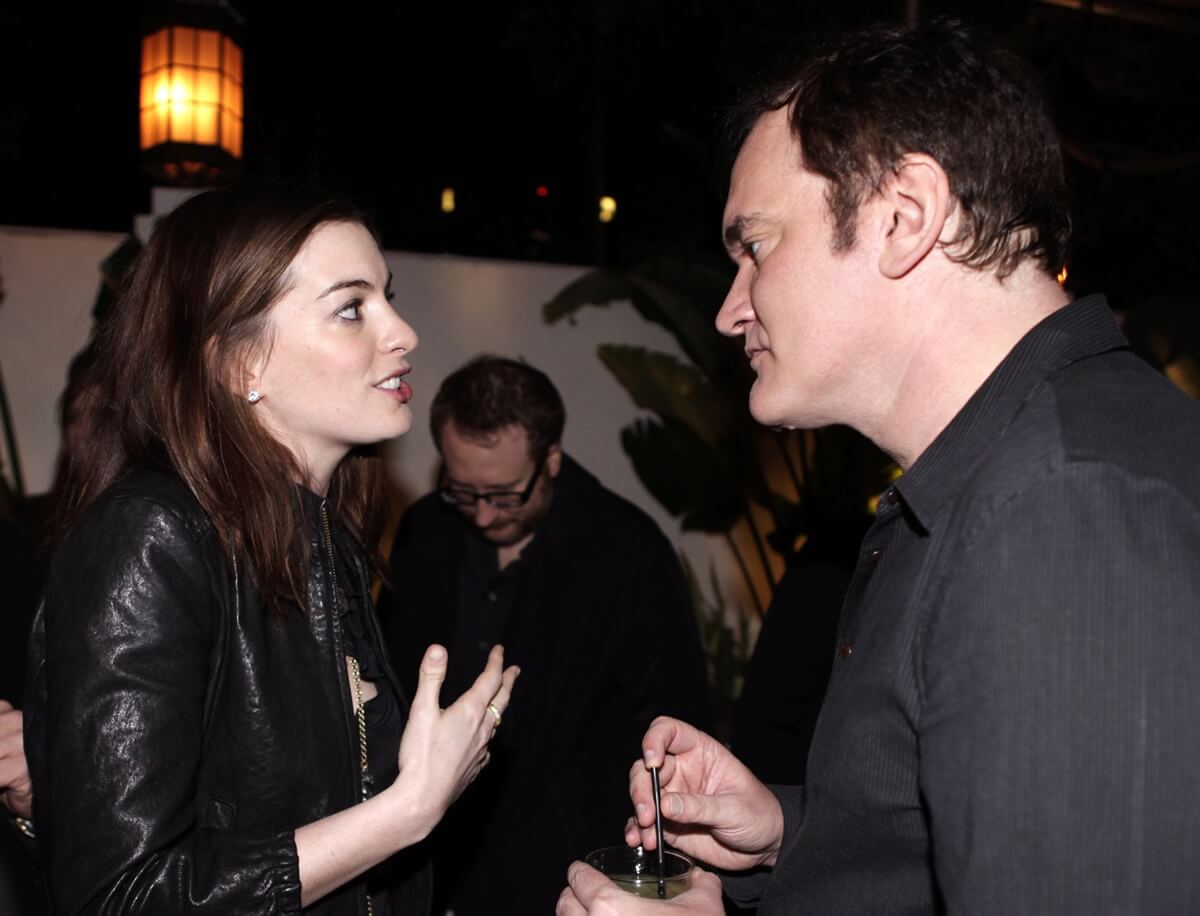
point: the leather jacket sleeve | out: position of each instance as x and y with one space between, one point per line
121 657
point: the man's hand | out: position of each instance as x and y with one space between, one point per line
590 893
16 788
713 807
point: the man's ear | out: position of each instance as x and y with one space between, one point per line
554 460
917 208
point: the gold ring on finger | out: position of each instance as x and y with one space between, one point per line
491 707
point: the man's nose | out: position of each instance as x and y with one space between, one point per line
736 311
484 512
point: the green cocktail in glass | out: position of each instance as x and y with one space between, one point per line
635 870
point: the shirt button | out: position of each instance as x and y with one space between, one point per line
875 555
847 650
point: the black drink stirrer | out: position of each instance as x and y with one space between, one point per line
662 878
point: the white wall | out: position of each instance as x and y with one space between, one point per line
458 306
50 279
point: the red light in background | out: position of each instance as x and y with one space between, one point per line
543 191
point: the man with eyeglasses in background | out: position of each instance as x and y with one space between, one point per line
521 546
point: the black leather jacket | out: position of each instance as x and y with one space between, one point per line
178 736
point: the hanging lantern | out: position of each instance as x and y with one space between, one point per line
191 92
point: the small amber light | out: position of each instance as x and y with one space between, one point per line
608 209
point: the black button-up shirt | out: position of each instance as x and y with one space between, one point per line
1013 720
485 603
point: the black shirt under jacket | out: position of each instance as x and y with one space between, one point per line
1013 720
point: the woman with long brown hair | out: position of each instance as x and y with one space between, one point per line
212 724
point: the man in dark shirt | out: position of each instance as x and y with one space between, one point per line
1012 724
521 546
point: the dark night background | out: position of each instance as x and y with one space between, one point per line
393 103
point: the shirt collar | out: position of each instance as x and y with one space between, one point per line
1081 329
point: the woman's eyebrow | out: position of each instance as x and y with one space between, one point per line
347 284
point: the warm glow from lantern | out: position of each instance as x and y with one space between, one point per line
191 89
1062 276
447 200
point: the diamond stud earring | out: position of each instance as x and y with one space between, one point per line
253 397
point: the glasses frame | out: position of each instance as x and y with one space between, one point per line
451 495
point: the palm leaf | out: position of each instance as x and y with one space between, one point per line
670 388
685 474
681 297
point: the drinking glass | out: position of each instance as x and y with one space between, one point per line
635 870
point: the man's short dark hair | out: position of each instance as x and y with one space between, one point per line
491 393
883 92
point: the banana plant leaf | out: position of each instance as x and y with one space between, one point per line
681 297
744 454
727 643
684 298
685 474
596 287
670 388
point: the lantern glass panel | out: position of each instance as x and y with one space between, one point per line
208 48
231 136
147 128
147 91
233 60
161 124
183 86
206 124
231 97
208 87
181 104
184 50
160 83
154 51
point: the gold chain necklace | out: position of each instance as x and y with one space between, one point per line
360 710
360 713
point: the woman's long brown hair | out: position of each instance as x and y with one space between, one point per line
194 306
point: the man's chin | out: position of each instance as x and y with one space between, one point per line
762 409
504 536
775 412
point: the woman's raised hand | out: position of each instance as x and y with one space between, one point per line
443 750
